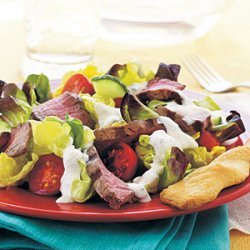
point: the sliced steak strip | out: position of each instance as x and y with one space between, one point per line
197 126
4 138
109 187
161 89
127 133
19 140
67 103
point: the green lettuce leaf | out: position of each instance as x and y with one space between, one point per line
82 189
12 170
199 157
41 85
208 103
131 73
145 151
11 89
50 137
175 166
14 111
76 131
4 126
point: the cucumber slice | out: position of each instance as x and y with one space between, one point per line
109 86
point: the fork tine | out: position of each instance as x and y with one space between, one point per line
203 80
210 71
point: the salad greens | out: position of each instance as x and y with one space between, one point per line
40 84
208 103
131 73
175 165
82 189
132 109
13 170
11 89
199 157
13 111
50 137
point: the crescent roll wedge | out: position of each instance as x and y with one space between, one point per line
204 184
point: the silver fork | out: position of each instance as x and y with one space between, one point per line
208 77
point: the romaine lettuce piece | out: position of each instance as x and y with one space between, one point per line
12 170
175 165
41 85
199 157
50 137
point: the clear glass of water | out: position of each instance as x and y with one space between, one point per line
61 31
158 22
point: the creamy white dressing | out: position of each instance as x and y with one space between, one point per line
219 113
188 110
72 172
137 87
162 141
184 140
106 114
140 192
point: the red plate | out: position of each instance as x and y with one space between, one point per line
20 201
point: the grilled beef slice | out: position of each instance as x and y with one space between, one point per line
67 103
127 133
4 138
197 126
109 187
19 140
161 89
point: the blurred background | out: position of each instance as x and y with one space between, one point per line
37 36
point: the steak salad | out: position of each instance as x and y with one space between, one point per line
121 135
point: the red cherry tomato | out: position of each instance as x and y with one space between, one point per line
78 83
121 160
208 140
233 143
45 178
118 102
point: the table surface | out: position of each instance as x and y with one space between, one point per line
226 47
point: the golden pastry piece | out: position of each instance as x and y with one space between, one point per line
204 184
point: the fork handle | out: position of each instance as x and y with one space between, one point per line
243 84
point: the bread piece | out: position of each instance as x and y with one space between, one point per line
204 184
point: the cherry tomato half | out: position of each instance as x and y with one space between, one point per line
78 83
45 178
118 102
121 160
208 140
233 143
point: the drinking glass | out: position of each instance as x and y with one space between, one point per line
61 31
